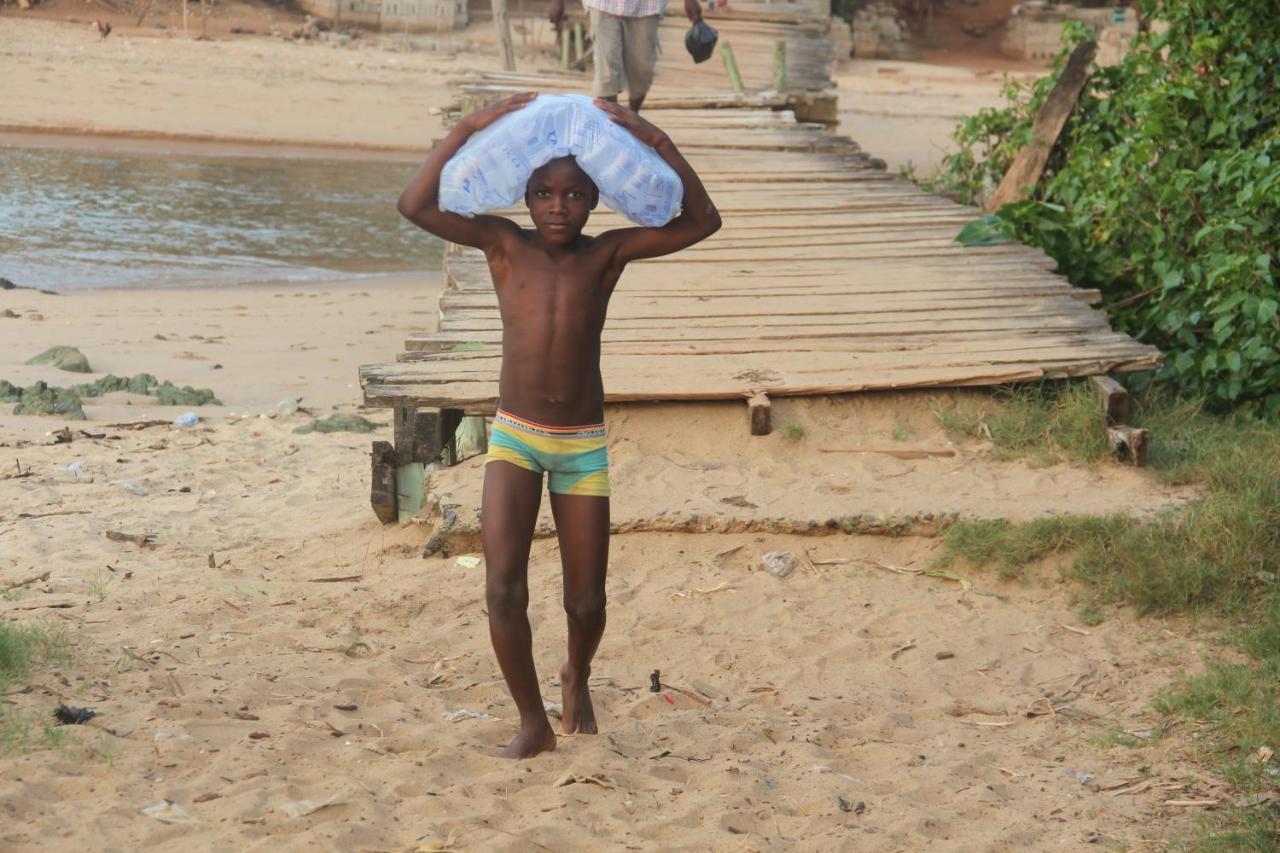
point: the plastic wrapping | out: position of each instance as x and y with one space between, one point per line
491 171
700 41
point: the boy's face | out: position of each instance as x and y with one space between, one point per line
560 198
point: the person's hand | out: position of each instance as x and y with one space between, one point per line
692 8
555 12
631 120
480 119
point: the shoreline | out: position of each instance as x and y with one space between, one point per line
207 145
339 280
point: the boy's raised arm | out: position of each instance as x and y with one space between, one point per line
698 217
420 202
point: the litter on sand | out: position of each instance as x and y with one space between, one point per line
463 714
302 808
167 812
69 716
579 779
779 563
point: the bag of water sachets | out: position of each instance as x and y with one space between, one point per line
491 171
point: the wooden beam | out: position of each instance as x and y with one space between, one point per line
382 495
760 412
425 435
1115 399
503 26
1050 119
1130 444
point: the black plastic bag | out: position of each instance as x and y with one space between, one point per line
700 41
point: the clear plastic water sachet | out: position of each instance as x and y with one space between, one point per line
491 170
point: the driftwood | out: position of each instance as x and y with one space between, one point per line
1050 119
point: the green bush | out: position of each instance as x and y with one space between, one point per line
1163 191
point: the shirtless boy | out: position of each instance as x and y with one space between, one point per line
553 284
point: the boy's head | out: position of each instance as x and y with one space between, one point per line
560 198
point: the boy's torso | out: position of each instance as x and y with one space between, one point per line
553 309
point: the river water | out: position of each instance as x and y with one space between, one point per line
73 218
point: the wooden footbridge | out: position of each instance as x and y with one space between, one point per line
830 276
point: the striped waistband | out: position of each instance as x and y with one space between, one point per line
516 422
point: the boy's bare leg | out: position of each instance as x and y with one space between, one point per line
509 511
582 525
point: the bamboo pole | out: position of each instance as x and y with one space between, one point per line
564 48
731 67
577 41
780 65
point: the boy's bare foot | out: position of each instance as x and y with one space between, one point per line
579 715
530 742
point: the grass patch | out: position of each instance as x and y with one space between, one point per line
1219 557
1113 739
794 431
1041 423
24 649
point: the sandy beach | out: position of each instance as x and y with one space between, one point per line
273 669
272 643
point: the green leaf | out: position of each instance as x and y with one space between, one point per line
981 232
1218 128
1267 310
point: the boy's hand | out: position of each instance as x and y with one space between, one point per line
692 8
555 13
480 119
639 128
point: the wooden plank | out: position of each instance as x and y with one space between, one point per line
1050 119
448 360
479 398
752 370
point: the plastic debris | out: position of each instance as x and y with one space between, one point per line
167 812
491 172
700 41
188 419
463 714
1081 776
579 779
131 487
70 716
779 563
76 467
468 561
302 808
287 406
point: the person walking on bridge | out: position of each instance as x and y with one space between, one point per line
626 43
